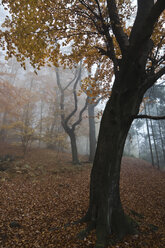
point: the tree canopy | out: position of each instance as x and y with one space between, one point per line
37 29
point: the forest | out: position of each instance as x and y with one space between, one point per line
82 123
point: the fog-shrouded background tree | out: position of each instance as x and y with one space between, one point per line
99 32
30 110
68 120
147 136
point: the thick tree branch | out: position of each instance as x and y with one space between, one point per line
75 98
159 74
143 10
118 31
80 114
149 117
137 38
153 78
63 118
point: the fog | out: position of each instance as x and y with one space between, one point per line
30 112
31 115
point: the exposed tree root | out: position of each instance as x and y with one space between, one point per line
84 233
121 226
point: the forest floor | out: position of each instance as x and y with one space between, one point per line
42 195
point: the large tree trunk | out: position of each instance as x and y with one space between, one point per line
72 136
75 159
105 212
92 132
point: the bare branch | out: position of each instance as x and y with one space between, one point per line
71 81
103 29
154 77
89 8
75 98
118 31
99 9
80 114
149 117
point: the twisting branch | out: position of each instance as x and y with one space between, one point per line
80 114
62 94
118 31
66 87
75 98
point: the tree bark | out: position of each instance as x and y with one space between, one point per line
70 128
105 212
105 209
75 159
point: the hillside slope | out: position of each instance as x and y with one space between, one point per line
42 195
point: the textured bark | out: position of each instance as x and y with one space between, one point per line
105 212
105 209
72 136
75 159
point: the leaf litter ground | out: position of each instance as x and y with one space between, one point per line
42 195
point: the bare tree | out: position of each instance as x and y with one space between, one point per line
66 118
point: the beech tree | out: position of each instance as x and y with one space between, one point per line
67 121
99 32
